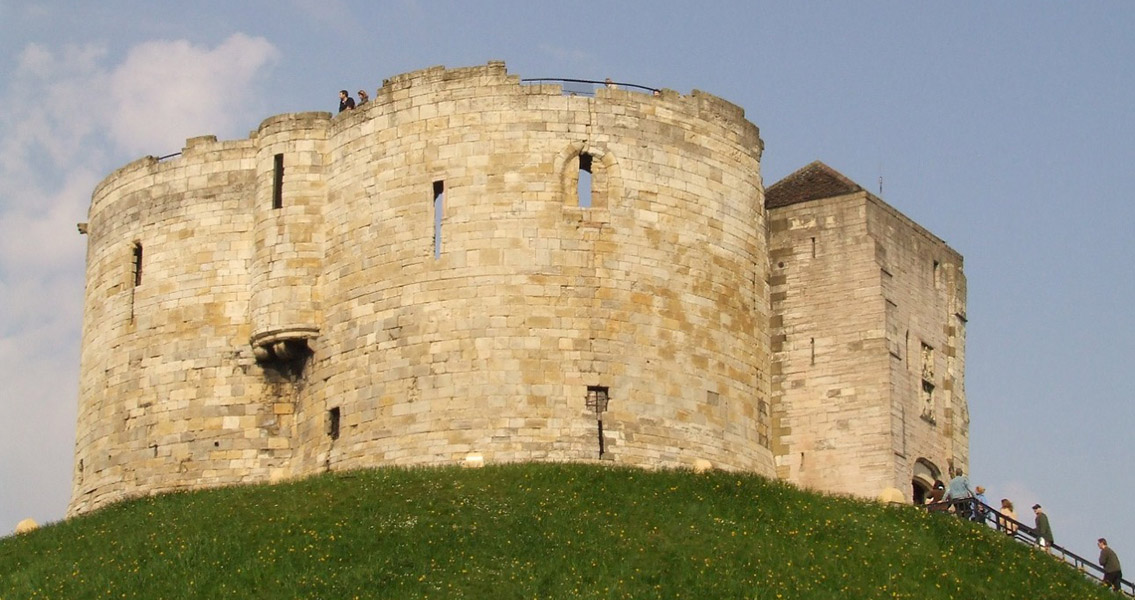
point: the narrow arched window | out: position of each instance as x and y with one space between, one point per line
588 179
583 185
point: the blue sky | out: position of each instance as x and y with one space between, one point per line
1005 128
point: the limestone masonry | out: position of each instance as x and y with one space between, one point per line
471 269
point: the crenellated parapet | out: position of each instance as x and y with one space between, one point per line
466 266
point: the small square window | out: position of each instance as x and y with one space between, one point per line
597 398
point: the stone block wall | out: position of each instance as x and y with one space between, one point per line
314 312
923 286
831 424
468 265
169 391
288 237
867 306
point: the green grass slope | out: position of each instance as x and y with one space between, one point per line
524 531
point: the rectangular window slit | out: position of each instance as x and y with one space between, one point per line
333 423
137 264
136 276
278 182
439 210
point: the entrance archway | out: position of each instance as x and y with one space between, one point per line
923 478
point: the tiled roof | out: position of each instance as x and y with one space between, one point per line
812 182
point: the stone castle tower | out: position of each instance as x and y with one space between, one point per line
469 267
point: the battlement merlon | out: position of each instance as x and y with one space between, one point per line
422 87
409 96
140 173
427 82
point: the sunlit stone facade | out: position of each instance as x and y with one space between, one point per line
473 267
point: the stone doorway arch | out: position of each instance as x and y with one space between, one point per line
923 478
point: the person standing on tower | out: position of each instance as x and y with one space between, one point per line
346 102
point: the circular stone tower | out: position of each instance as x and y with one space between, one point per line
466 265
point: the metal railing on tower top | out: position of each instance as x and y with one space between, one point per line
587 87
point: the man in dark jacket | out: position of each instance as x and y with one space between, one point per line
1043 531
1110 563
346 102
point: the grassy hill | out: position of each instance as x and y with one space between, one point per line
524 531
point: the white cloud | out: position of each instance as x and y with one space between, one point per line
165 92
69 117
53 102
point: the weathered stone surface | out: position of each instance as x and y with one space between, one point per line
282 329
868 306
